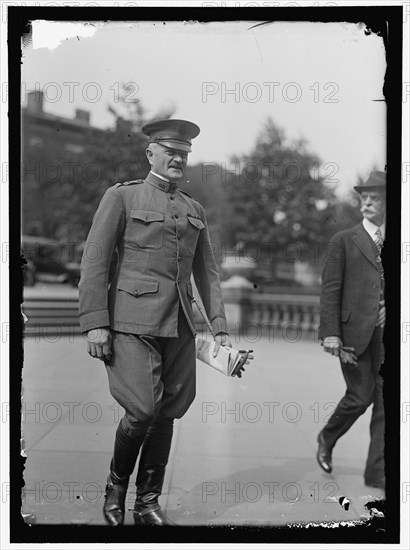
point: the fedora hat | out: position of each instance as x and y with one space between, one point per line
376 181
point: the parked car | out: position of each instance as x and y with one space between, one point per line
73 267
46 260
29 273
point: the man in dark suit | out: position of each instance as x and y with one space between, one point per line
352 317
141 323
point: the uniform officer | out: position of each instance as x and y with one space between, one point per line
352 316
141 323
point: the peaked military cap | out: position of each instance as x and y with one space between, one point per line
376 181
173 133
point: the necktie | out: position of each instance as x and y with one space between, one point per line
378 239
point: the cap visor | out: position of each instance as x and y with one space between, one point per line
175 145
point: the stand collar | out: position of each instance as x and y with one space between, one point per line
161 183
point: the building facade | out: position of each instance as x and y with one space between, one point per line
52 147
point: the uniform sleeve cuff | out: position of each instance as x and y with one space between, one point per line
219 325
94 319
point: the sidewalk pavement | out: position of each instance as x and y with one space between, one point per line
243 454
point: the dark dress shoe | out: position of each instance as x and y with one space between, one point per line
114 505
377 483
151 516
324 455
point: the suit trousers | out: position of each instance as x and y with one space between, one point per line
152 378
364 387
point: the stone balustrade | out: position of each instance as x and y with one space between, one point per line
278 309
246 309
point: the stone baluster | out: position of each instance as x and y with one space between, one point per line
275 315
286 315
256 312
266 315
306 323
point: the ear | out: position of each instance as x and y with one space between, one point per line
149 154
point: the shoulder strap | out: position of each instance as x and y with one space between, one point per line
132 182
185 193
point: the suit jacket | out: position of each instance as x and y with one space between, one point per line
351 288
161 237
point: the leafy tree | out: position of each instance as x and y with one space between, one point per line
276 194
273 195
342 215
209 192
63 187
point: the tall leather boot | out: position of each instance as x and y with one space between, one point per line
126 451
151 473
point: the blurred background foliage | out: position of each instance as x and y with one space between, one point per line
274 197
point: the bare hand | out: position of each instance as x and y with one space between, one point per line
99 343
332 344
348 355
249 356
381 316
221 339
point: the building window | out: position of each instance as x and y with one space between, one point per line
72 148
36 142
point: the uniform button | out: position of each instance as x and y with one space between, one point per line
136 292
172 197
176 216
179 259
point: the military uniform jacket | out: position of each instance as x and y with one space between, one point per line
161 237
351 288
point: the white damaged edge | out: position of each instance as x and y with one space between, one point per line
330 524
23 448
50 34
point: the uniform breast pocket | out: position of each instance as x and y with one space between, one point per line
147 228
138 301
192 234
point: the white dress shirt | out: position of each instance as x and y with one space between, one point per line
371 228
